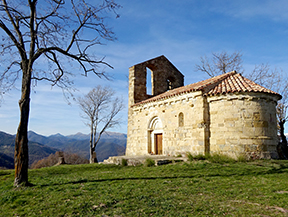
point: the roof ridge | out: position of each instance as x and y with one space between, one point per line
230 82
217 78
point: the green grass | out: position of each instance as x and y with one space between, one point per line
198 188
149 162
216 158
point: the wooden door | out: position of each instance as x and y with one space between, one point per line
158 143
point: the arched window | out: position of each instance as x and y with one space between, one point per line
181 119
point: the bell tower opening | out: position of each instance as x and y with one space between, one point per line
148 81
152 78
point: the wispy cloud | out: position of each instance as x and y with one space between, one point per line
183 31
246 9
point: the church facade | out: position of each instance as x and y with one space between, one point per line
227 114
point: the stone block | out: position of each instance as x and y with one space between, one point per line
263 124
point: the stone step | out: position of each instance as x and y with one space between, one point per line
137 160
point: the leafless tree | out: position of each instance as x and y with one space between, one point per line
262 74
277 81
220 63
100 109
38 40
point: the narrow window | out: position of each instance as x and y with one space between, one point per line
181 119
148 82
169 84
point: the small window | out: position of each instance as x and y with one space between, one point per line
181 119
169 85
170 81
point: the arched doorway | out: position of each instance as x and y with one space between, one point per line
155 137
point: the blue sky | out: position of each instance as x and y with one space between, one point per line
183 31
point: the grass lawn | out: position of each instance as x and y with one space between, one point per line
198 188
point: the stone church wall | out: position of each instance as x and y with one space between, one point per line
188 137
232 124
243 124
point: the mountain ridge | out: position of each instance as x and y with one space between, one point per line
110 144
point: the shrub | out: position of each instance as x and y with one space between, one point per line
71 158
124 162
190 156
220 158
53 159
201 157
49 161
215 158
149 162
197 157
242 158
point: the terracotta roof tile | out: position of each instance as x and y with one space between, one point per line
230 82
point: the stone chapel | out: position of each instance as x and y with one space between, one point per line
227 114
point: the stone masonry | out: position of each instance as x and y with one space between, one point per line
226 114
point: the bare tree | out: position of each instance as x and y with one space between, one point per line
50 33
277 81
220 63
100 109
262 74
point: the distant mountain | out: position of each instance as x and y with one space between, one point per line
110 144
79 136
108 148
6 161
106 135
37 151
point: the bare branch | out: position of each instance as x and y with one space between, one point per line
220 63
100 108
262 74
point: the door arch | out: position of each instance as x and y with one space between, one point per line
155 137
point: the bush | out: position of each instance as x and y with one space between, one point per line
220 158
149 162
201 157
215 158
53 159
242 158
190 157
197 157
124 162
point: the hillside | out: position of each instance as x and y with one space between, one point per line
37 151
111 144
197 188
6 161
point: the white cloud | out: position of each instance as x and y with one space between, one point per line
247 9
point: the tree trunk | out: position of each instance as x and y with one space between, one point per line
95 157
282 135
21 157
91 156
282 146
91 142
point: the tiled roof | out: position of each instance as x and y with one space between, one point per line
230 82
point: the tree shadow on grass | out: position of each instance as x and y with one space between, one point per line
282 169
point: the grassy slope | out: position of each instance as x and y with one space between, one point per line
184 189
